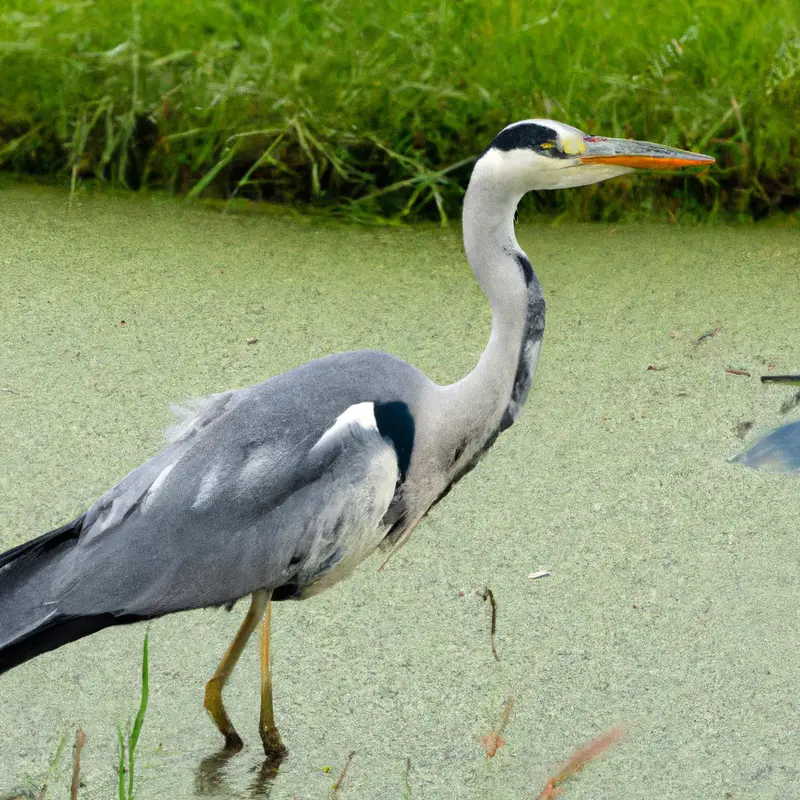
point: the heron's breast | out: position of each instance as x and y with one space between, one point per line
351 530
352 547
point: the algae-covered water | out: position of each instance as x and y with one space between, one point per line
674 602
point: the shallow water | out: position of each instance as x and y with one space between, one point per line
674 601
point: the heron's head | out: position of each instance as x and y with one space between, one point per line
544 154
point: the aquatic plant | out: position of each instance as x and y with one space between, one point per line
127 742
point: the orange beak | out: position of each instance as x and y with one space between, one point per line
639 155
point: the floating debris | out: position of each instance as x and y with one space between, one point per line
707 335
80 741
542 573
493 741
579 759
337 787
487 594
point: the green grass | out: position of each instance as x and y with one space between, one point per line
370 109
129 747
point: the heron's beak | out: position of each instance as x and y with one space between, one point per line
639 155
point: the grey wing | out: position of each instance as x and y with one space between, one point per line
243 498
292 522
133 489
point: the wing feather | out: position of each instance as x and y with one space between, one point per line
235 503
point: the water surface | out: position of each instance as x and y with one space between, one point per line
674 601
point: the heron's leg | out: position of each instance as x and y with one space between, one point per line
273 746
213 700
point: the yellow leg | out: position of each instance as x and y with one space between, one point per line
273 746
213 701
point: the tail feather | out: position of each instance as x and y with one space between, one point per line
27 628
54 632
42 544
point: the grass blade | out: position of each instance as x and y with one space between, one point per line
212 173
121 763
133 739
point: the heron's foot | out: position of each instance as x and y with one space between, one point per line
213 704
274 748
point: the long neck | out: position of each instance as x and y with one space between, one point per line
503 375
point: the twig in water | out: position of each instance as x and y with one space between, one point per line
80 741
743 372
579 759
336 788
493 741
407 792
486 594
780 379
707 335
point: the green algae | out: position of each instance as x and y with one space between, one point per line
672 606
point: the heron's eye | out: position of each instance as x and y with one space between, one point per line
547 146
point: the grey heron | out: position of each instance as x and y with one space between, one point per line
277 491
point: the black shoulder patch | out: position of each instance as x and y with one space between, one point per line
396 424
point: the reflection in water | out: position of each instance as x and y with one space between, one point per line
778 451
211 778
210 775
261 785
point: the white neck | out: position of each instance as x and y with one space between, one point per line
497 262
